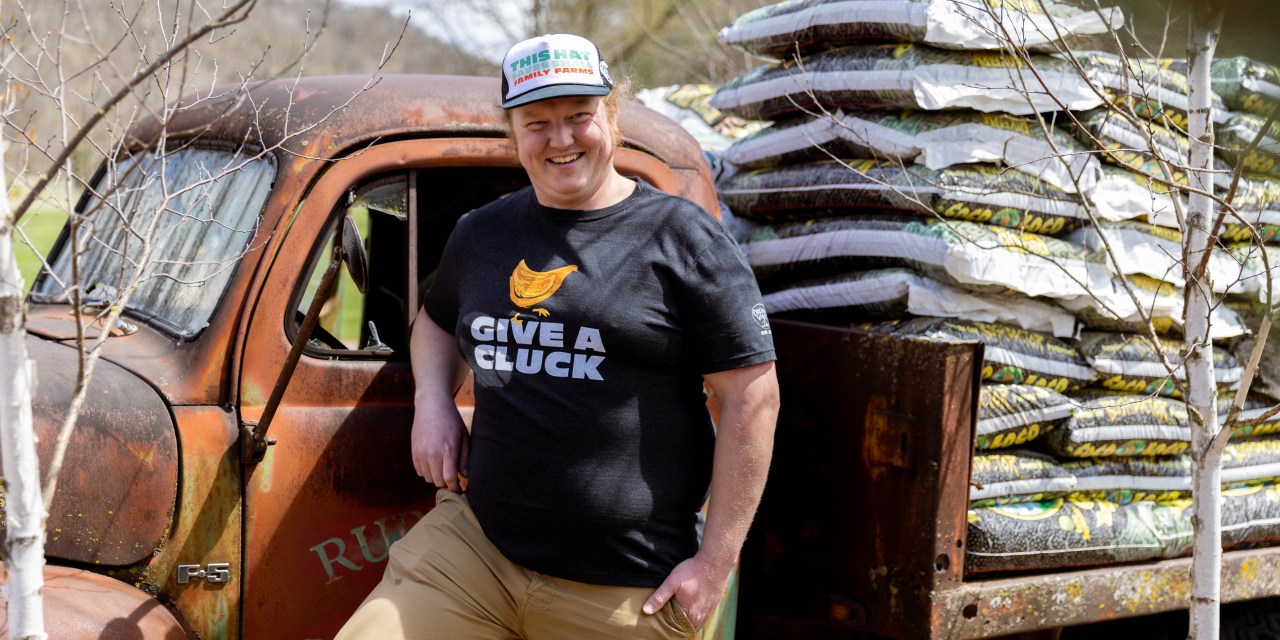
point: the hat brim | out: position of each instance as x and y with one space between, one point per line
556 91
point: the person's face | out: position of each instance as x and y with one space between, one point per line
566 145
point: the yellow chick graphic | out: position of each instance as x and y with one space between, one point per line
529 287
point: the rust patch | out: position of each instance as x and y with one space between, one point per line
888 440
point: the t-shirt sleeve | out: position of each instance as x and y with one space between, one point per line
441 301
721 308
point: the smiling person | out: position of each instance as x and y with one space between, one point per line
592 309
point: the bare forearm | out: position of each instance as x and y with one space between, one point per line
744 446
438 368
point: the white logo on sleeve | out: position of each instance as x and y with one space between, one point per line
761 317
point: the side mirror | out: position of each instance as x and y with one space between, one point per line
353 256
348 249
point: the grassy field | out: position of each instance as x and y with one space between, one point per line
41 227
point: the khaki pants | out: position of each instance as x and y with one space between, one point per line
445 581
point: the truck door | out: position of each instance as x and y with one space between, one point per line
338 486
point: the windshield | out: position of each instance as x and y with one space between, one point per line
175 224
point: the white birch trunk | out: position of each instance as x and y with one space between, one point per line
24 507
1202 393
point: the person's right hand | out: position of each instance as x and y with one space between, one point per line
440 445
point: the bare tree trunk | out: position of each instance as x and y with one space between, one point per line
24 508
1202 392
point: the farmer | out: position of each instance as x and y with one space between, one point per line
591 308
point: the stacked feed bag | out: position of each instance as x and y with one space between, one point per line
1131 363
1240 270
1251 137
780 30
1005 268
1014 415
937 140
1115 476
881 107
843 70
1016 200
1246 145
1031 511
888 107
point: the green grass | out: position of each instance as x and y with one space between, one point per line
344 312
40 227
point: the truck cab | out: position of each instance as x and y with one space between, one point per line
223 217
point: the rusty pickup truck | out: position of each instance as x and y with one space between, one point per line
241 465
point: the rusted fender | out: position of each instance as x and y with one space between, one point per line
80 604
119 481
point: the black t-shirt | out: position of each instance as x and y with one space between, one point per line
589 332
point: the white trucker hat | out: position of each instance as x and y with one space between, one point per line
553 66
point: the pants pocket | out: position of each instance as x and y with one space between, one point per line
680 619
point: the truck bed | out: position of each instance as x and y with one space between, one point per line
862 527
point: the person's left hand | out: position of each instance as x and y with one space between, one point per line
697 585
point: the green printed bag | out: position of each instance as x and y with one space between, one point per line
1011 415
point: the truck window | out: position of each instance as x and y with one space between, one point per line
349 320
195 209
376 324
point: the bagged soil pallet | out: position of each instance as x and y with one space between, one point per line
1006 477
1266 381
830 188
1156 251
805 26
1122 425
1129 479
905 77
1122 479
1039 535
977 257
1247 85
1259 269
878 135
783 255
1256 419
1251 516
1016 475
1159 303
1122 193
1251 461
1022 144
1013 415
1129 363
1011 355
1061 533
1251 497
935 139
1237 135
972 192
1256 214
1126 146
1154 89
899 292
1003 477
1013 199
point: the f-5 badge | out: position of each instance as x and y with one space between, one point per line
216 572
